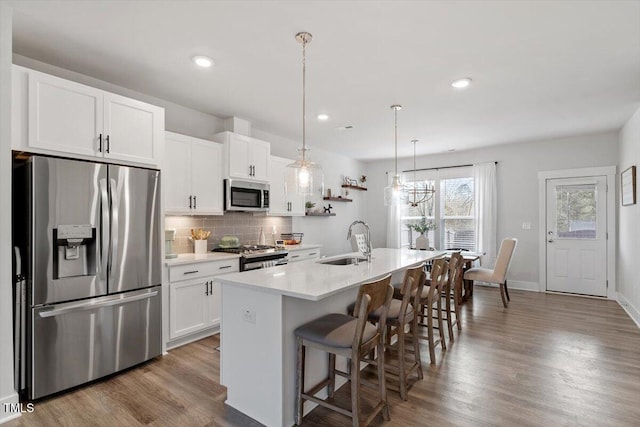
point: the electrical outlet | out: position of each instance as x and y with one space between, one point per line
526 226
249 316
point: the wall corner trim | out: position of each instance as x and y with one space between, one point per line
5 404
632 311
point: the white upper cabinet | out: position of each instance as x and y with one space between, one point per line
133 129
245 157
281 204
192 175
53 115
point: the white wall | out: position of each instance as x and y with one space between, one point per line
7 392
629 223
518 166
330 232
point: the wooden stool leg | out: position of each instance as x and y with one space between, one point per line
299 380
416 345
382 382
441 324
332 375
456 308
430 337
401 368
355 388
447 305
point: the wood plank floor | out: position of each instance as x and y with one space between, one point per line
547 360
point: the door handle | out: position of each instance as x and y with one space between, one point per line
195 202
206 288
550 240
83 306
107 150
211 287
224 266
190 272
100 143
190 202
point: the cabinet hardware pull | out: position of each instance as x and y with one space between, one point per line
313 253
100 143
190 272
194 202
190 202
249 170
206 288
295 256
108 145
224 266
211 287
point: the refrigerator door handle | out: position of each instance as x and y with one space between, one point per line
104 228
117 300
114 223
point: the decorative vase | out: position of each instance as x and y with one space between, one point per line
200 246
422 242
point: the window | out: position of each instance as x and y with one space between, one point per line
451 208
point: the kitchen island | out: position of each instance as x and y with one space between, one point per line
262 308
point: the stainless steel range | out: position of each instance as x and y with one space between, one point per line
253 257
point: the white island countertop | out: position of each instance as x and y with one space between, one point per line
313 280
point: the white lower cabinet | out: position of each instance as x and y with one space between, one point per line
194 298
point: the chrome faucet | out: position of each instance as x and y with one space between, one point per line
366 253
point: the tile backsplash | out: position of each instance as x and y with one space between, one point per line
243 225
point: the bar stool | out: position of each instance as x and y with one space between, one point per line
403 311
429 300
351 337
453 291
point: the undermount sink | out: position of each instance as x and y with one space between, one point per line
344 261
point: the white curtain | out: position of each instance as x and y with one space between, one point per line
394 218
486 209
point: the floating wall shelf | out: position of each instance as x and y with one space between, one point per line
337 199
355 187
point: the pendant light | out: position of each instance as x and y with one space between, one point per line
419 192
303 176
395 193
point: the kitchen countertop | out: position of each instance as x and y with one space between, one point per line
191 258
196 258
314 281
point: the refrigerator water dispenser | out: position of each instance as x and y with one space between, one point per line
74 253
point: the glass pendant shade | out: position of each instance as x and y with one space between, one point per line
395 193
303 177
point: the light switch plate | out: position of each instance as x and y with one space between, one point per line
526 226
249 316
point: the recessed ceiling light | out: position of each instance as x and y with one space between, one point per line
202 61
323 117
461 83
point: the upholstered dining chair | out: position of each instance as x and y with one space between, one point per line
497 275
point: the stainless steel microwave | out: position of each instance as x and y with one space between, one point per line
245 196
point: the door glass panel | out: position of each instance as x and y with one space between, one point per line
576 211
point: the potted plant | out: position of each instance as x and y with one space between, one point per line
309 206
422 227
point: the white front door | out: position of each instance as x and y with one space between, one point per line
576 240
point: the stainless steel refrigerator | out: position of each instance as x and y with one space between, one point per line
87 245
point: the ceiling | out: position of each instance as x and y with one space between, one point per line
539 69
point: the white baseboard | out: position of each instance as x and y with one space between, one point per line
514 284
191 338
6 413
633 312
